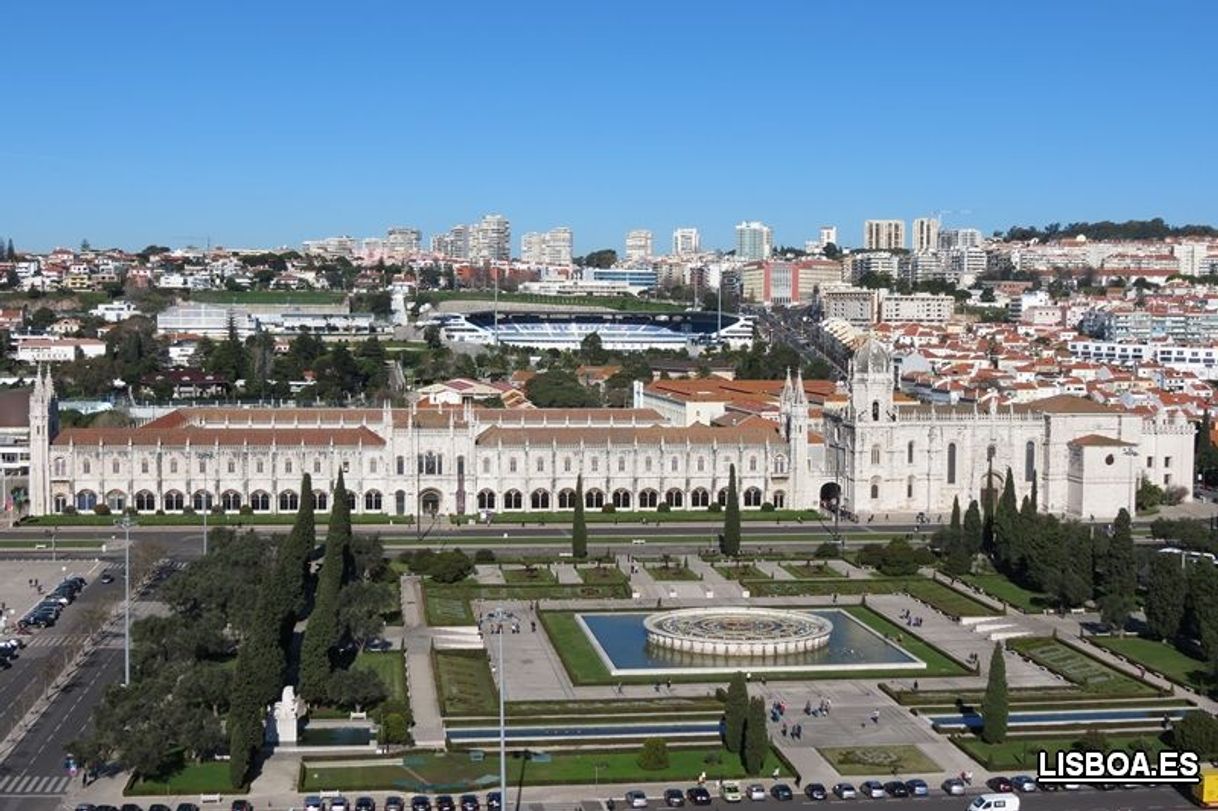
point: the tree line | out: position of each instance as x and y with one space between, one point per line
1107 230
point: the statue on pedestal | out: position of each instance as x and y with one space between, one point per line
282 728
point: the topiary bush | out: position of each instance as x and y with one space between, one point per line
715 507
664 507
767 507
101 509
608 508
654 755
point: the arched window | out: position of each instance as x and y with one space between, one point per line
780 465
116 500
875 454
699 497
566 499
321 501
259 467
951 463
260 501
400 465
145 501
350 500
61 503
909 485
85 467
173 465
752 464
512 500
594 499
674 498
621 464
909 453
114 466
372 501
875 410
512 465
875 489
486 500
566 464
722 497
596 464
621 499
60 466
649 499
541 464
230 500
174 501
399 502
539 500
287 465
232 467
289 502
317 465
780 500
1029 461
674 464
752 497
430 501
86 500
143 466
201 500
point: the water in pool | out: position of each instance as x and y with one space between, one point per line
623 639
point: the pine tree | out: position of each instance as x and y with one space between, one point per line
756 741
731 517
735 710
579 527
1120 580
994 707
972 528
1166 593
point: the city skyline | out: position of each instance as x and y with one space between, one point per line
267 148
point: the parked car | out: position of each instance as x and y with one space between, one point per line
999 783
953 786
445 803
493 801
674 797
1005 801
237 805
896 788
129 807
181 807
420 803
816 791
872 788
1023 783
314 803
917 788
698 796
756 791
340 804
729 790
845 791
634 799
159 807
107 578
469 802
781 791
365 803
395 803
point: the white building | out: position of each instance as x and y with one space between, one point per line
754 241
404 241
828 235
923 308
32 349
925 235
557 245
112 312
533 248
883 235
638 245
686 241
491 239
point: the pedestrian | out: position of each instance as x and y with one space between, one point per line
670 684
776 773
797 780
784 730
875 717
915 685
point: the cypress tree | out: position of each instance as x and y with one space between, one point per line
994 707
972 528
1166 593
11 253
955 533
731 517
756 741
297 550
1120 580
735 710
1007 543
579 527
321 632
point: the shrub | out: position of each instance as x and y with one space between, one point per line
101 509
767 507
189 511
484 556
715 507
160 512
664 507
69 510
608 508
246 510
828 549
393 729
1174 495
654 755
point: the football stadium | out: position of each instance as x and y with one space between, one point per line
621 331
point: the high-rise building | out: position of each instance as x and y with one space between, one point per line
453 245
556 246
950 238
754 241
638 244
491 239
925 235
686 241
828 234
883 235
533 247
406 241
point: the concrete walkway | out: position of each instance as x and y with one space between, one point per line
567 575
488 575
428 727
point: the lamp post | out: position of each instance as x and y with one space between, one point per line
125 524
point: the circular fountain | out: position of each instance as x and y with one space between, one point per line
742 631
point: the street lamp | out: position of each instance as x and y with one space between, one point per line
205 456
125 524
498 616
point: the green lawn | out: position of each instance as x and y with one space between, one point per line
937 595
538 575
602 575
1020 752
666 573
877 761
946 599
195 778
743 572
1090 674
802 571
268 297
1160 657
455 771
450 604
390 666
464 682
999 587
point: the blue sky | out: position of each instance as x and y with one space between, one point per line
264 123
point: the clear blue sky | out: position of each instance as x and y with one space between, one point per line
264 123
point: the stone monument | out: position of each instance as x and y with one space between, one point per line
282 728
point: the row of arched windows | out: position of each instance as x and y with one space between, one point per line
229 501
621 498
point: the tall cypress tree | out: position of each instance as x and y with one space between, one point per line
731 517
756 740
1006 526
994 707
1166 593
954 529
321 632
579 527
1120 579
298 548
735 711
972 528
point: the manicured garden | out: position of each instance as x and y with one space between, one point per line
742 572
938 596
210 777
1001 588
1161 657
457 771
464 682
540 575
602 575
390 666
877 761
675 572
1090 674
806 571
449 604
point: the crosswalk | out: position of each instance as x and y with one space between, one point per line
27 784
53 640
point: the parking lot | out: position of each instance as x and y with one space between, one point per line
18 596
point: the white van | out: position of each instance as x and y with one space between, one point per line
995 802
